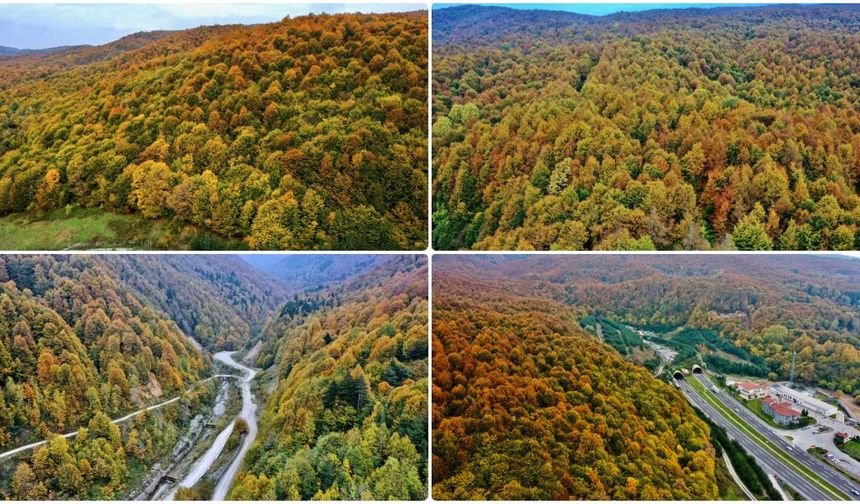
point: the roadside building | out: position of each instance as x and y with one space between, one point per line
782 412
803 400
750 390
851 415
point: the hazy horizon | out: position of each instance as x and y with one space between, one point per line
601 9
42 26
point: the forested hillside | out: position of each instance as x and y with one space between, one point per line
298 274
347 416
767 306
309 133
730 127
219 300
85 340
526 406
75 342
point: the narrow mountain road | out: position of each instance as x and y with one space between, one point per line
205 462
249 414
125 418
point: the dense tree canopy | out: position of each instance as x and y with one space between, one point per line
347 417
75 343
753 309
526 406
87 339
98 463
669 129
309 133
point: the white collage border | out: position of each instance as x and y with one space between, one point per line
428 252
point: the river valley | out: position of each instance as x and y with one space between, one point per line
206 464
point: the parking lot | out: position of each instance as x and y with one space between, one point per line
820 435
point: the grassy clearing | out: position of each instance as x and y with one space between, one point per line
77 229
852 448
93 228
761 440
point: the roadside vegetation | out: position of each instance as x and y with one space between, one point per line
852 448
729 490
752 475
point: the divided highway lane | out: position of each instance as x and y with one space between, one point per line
823 470
767 460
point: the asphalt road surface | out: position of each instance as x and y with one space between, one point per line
819 467
769 462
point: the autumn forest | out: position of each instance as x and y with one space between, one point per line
542 389
261 252
723 128
222 382
308 133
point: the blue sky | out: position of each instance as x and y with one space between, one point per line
38 26
600 9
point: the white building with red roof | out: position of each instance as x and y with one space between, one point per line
751 390
804 400
782 412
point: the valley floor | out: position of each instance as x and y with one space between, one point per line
219 463
210 467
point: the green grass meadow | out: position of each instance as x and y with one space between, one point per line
93 228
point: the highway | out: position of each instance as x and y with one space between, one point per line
768 461
819 467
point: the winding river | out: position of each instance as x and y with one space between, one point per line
249 414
